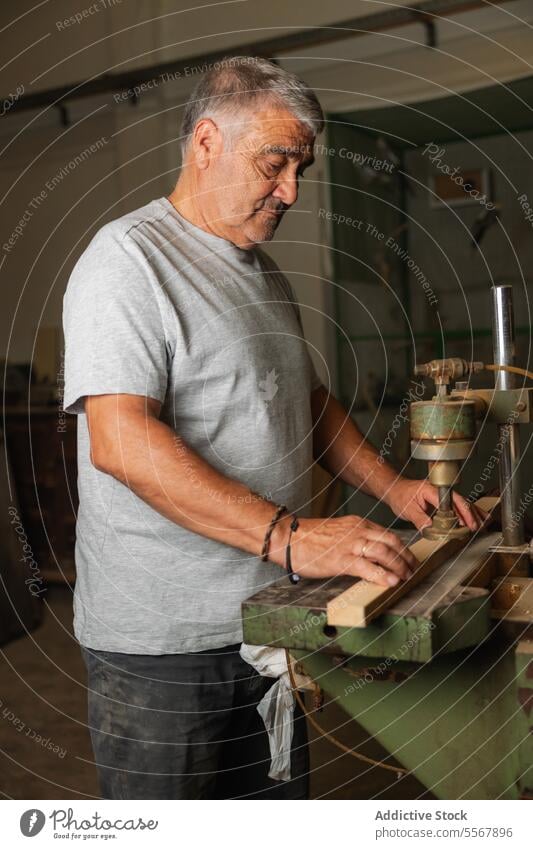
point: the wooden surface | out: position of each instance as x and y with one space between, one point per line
451 576
362 602
357 606
489 504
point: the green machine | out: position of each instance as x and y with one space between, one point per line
443 678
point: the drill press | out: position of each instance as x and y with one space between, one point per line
463 631
443 430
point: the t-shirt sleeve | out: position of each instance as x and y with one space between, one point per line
115 325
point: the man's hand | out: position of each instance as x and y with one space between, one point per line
412 500
348 545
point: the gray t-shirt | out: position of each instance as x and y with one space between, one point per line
156 306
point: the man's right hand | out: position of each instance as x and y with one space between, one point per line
348 545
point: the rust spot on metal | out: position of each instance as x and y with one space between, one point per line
318 698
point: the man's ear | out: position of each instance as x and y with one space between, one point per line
206 142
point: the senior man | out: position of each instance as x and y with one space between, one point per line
199 417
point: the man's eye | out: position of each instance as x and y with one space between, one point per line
273 167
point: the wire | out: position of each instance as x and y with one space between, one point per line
514 369
398 770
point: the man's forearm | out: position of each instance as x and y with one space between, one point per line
129 442
149 458
340 447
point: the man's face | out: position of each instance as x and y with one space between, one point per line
254 177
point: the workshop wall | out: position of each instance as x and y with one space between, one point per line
440 242
130 152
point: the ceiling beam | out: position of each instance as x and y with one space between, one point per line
390 19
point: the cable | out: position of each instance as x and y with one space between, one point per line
398 770
514 369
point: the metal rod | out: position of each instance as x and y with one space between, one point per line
445 499
503 335
509 436
512 514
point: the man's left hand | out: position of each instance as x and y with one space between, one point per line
413 500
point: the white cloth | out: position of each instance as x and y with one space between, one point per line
276 708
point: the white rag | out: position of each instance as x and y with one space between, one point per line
276 708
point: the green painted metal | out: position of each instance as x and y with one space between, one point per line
309 629
295 618
441 686
524 684
456 723
446 420
503 406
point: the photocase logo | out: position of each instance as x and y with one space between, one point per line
32 822
268 388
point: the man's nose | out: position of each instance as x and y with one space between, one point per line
287 191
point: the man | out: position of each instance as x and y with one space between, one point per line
199 414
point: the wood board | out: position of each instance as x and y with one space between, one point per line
362 602
489 504
357 606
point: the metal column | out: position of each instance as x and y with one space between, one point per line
509 438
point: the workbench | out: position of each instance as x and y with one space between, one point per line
443 679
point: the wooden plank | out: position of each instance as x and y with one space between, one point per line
452 574
362 602
439 589
489 504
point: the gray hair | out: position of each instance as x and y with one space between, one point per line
239 82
